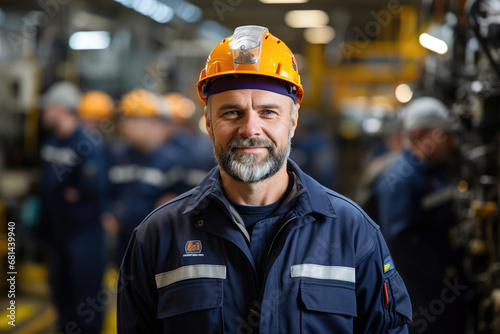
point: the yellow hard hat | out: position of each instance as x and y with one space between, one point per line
95 105
251 50
140 102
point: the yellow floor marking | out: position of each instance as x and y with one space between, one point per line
22 312
110 322
48 317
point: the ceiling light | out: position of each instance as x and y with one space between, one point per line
283 1
320 35
306 18
372 125
432 43
154 9
89 40
189 12
403 93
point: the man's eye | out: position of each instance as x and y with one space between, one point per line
231 113
269 112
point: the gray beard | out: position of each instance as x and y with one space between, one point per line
245 167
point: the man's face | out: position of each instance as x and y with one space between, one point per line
134 130
444 147
51 115
436 144
251 130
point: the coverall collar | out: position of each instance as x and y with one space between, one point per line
312 197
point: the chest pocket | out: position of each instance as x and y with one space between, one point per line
326 305
192 305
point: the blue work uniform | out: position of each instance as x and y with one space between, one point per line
138 181
317 265
415 209
72 227
197 159
316 154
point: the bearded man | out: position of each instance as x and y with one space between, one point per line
258 246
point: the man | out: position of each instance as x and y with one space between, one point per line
315 151
258 246
140 168
414 203
73 186
366 196
196 147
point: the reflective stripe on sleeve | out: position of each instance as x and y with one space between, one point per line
190 272
339 273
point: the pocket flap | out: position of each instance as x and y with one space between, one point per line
188 296
402 303
328 297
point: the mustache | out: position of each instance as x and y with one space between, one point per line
250 142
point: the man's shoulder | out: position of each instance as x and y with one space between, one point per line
165 217
354 223
345 208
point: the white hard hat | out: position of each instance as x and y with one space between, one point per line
428 112
62 93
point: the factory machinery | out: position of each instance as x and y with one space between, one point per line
473 73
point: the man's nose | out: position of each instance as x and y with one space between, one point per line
251 125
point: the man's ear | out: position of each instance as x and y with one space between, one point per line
294 120
207 123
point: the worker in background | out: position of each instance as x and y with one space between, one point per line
73 186
142 168
315 152
196 146
258 246
415 209
96 112
392 137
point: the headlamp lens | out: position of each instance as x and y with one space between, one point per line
246 45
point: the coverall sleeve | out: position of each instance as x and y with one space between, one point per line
383 303
137 293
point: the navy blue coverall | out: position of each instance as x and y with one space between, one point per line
317 265
415 210
197 159
71 226
138 180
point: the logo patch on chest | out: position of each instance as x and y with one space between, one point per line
193 248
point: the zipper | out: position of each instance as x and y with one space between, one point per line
274 239
262 285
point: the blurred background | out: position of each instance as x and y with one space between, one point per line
361 62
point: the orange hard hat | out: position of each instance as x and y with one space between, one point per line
140 102
95 105
178 107
251 50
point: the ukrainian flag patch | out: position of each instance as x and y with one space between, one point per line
388 264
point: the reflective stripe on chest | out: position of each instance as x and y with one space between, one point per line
340 273
190 272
